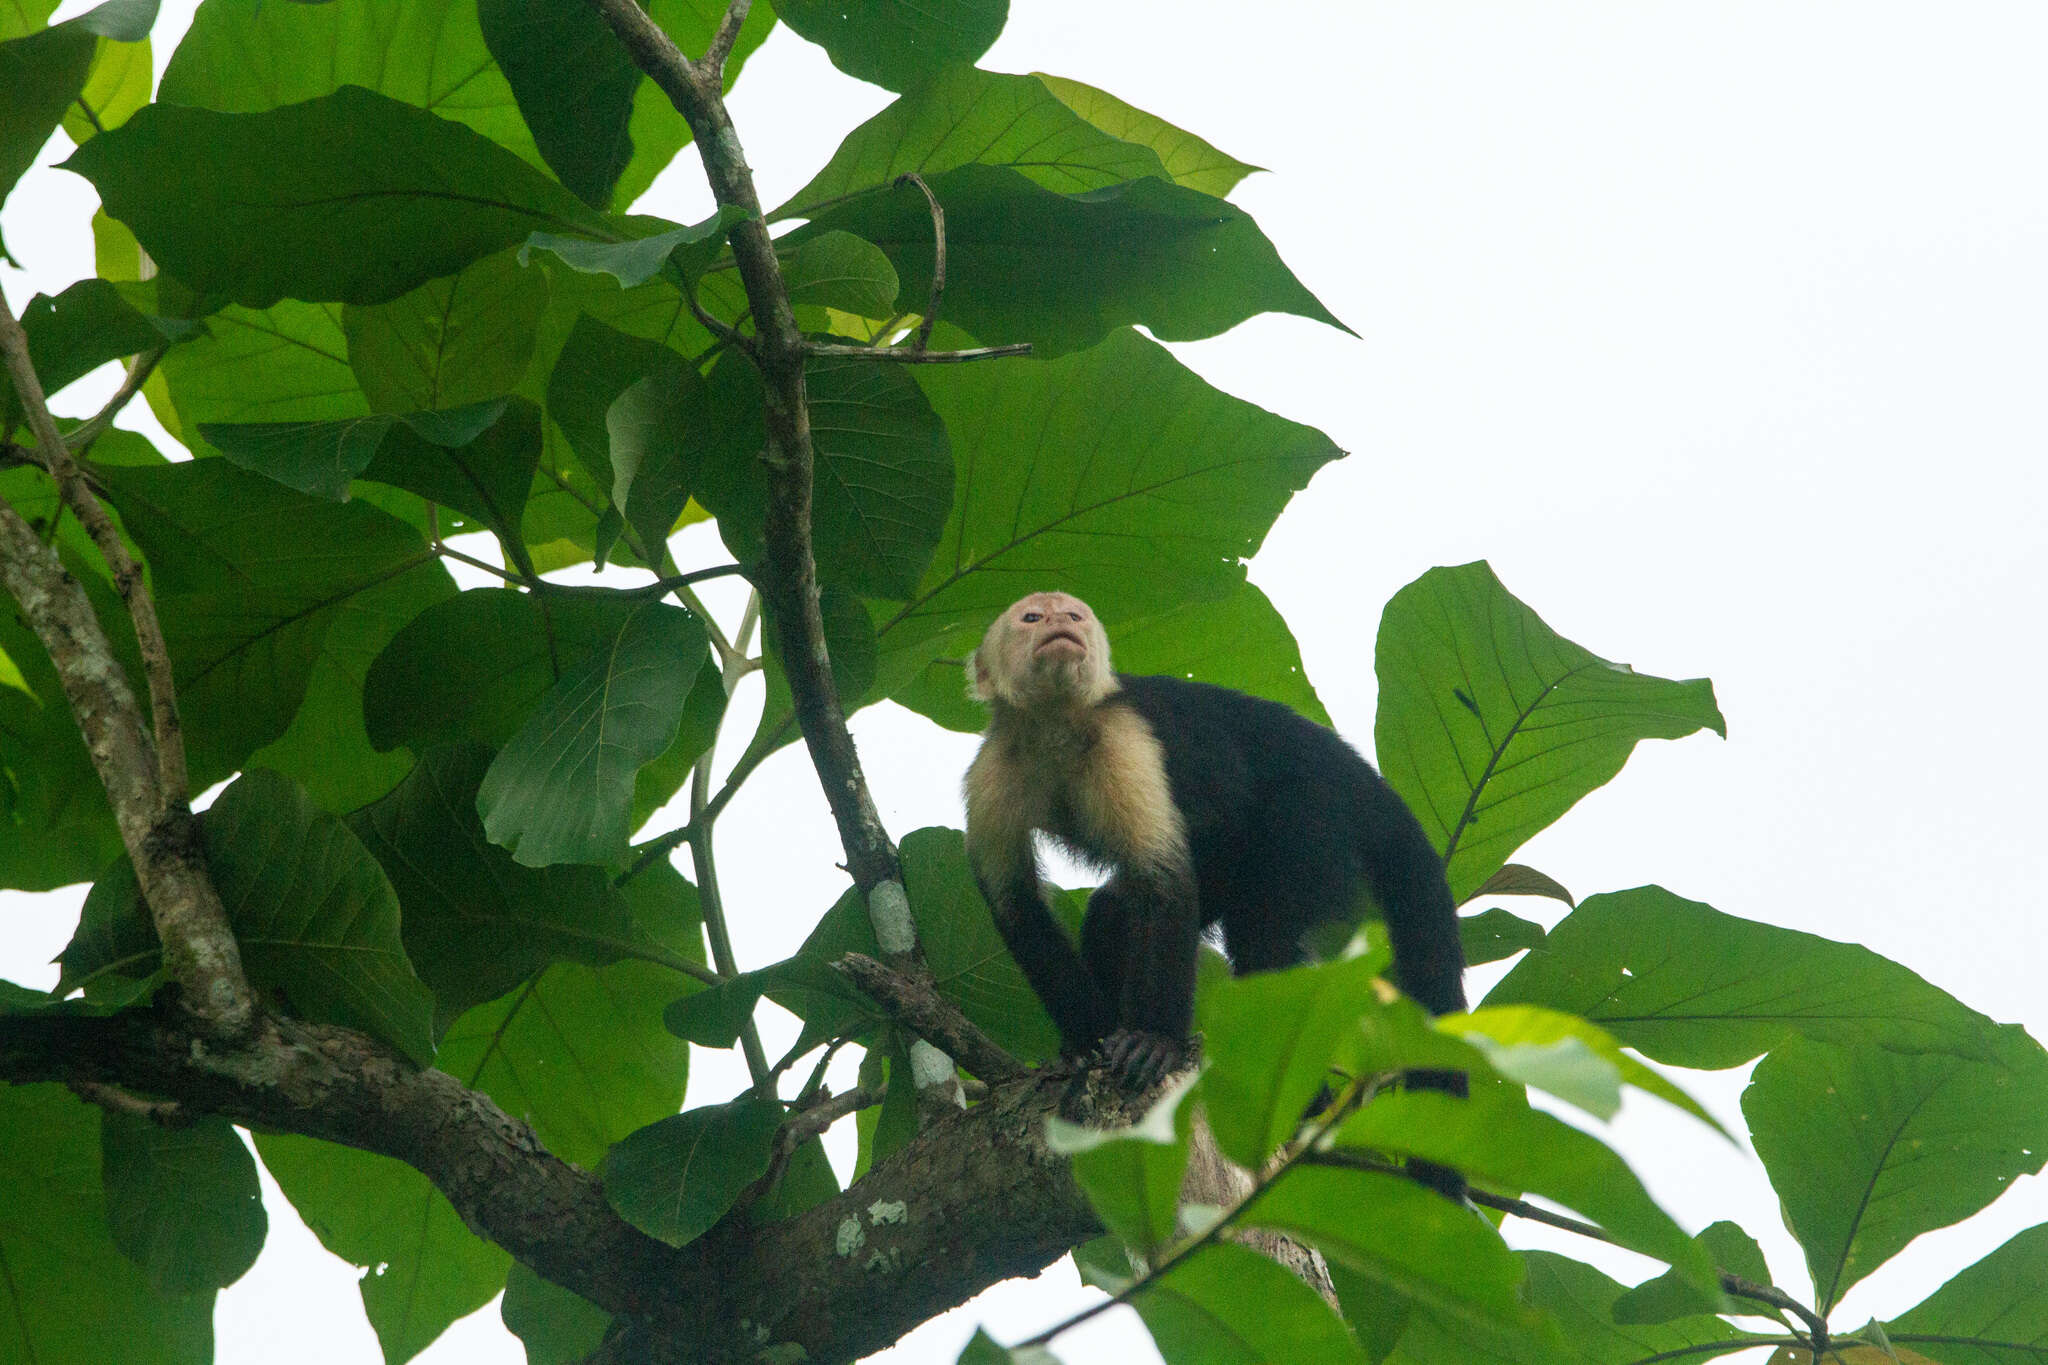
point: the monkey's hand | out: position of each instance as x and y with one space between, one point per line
1141 1060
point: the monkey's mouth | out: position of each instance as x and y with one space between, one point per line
1062 637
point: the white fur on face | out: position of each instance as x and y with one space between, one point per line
1047 648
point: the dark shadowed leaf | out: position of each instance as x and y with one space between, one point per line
557 1326
1496 1138
1491 725
675 1178
1132 1175
575 84
456 340
1868 1149
1117 474
71 1296
477 459
311 908
896 43
182 1203
966 116
2001 1299
424 1269
1187 159
1229 1303
44 71
561 789
1686 984
881 486
1025 263
983 1350
647 429
1494 934
476 922
78 330
1517 880
355 197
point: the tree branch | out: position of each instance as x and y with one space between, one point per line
144 777
916 1004
912 355
938 291
788 580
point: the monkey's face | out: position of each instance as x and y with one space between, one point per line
1047 647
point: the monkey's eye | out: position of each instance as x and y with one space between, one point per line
1073 616
1032 617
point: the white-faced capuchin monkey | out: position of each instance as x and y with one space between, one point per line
1207 806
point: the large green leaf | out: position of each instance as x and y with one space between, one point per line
1132 1176
1117 474
575 82
557 1326
476 923
1669 1296
311 909
44 71
122 76
424 1268
287 363
182 1203
561 790
882 482
965 116
1187 159
70 1295
353 197
1228 1303
1495 1137
455 340
1491 725
1992 1313
1413 1241
1025 263
896 43
1686 984
675 1178
250 576
1868 1148
87 325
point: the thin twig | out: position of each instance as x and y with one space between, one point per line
163 1113
715 55
919 1007
910 355
81 437
931 307
807 1123
442 547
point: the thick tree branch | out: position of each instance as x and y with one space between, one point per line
144 777
976 1198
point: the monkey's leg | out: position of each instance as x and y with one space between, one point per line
1156 1007
1048 959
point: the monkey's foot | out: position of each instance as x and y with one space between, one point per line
1141 1060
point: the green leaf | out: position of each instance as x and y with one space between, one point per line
964 116
1491 725
597 364
285 363
579 1053
1132 1175
839 270
1515 879
647 428
1492 935
1868 1148
675 1178
355 196
425 1269
476 923
557 1326
1496 1138
1186 158
1571 1058
1025 263
1683 983
1669 1296
652 246
804 1183
250 576
71 1296
76 332
2001 1299
475 667
1229 1303
455 340
119 83
44 71
182 1203
309 906
896 43
1414 1242
1116 473
983 1350
319 459
881 486
561 789
575 82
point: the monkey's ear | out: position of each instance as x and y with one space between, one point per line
978 681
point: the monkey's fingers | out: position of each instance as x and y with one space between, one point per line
1141 1060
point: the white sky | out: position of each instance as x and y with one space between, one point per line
1718 329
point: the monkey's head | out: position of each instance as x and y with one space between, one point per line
1047 649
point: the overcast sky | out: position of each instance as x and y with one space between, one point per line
1719 329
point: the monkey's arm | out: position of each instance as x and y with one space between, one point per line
1006 869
